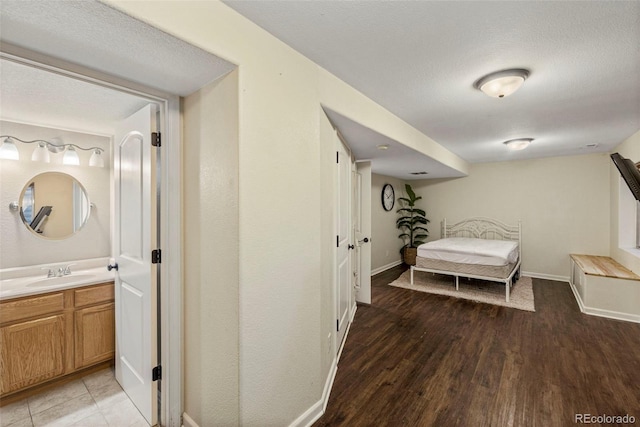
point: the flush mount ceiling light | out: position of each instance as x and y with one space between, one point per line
502 83
8 150
383 147
518 144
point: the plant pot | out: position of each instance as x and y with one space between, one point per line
409 255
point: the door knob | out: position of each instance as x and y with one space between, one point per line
351 246
112 267
366 239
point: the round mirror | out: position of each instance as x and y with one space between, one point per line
54 205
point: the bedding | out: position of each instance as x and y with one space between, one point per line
466 250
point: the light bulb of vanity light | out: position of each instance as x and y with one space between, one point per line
96 159
70 156
8 150
41 153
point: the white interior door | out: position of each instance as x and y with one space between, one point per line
343 240
362 225
135 236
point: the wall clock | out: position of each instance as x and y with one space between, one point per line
388 197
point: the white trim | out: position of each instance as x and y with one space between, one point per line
633 251
171 284
346 334
187 421
171 213
386 267
577 295
328 385
616 315
545 276
612 314
318 409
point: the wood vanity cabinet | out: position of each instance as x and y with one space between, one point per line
51 335
91 321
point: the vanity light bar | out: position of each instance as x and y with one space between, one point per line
8 150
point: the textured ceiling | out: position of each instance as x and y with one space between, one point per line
31 95
397 160
96 36
419 59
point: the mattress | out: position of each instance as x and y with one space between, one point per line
466 250
499 272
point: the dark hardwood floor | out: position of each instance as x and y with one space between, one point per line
417 359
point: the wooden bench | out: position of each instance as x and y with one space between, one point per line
604 287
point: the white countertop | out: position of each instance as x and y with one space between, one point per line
14 285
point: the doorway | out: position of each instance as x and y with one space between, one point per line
114 100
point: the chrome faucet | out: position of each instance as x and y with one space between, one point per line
59 272
65 271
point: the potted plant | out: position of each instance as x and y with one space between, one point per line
412 224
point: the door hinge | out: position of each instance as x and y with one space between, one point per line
337 157
337 325
156 141
156 256
337 241
156 373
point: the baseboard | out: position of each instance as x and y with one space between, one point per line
545 276
615 315
346 334
314 413
385 267
578 298
328 385
310 416
187 421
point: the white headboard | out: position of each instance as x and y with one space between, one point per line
483 228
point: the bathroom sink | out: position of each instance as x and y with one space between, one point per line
53 281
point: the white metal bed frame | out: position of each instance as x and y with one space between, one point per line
481 228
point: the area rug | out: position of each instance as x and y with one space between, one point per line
521 296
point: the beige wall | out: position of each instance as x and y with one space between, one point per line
563 203
385 244
282 212
629 148
211 271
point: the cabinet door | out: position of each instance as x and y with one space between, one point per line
31 352
95 335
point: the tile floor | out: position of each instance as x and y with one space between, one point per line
91 401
